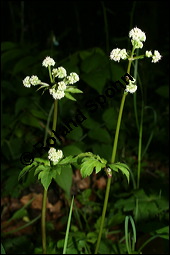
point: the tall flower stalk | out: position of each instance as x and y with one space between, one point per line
58 89
44 202
137 38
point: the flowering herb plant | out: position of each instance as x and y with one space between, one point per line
51 168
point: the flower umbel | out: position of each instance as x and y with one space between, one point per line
156 56
34 80
72 78
148 53
26 82
59 72
58 89
57 94
118 54
137 35
54 155
48 62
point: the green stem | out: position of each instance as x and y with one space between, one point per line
44 203
118 128
140 147
113 158
103 214
43 227
51 78
109 178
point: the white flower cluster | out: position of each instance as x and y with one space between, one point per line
118 54
131 87
137 37
57 94
48 62
155 57
57 91
62 85
72 78
34 80
54 155
59 72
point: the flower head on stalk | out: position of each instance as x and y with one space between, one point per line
58 89
54 155
33 80
137 37
118 54
59 72
48 61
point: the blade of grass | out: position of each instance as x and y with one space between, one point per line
127 235
68 227
134 233
22 227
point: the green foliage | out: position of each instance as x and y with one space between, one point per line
89 164
61 172
142 205
122 167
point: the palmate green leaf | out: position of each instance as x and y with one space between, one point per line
122 167
73 90
26 169
69 96
88 166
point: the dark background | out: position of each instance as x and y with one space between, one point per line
80 24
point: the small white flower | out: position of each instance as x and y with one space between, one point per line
156 56
34 80
54 155
57 94
148 53
109 172
60 94
26 82
48 62
115 55
131 87
61 85
60 72
73 78
118 54
123 54
137 35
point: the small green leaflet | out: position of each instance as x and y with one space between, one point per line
122 167
88 166
69 96
67 160
73 90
